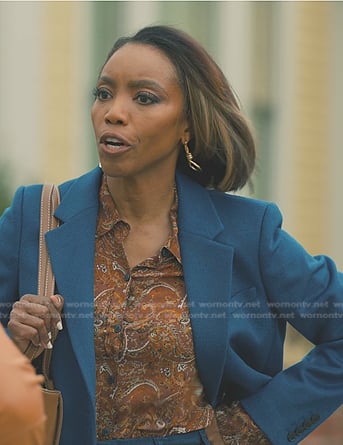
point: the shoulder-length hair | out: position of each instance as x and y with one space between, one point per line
222 142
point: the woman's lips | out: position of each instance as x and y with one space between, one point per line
114 144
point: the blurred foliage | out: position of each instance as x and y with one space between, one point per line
5 190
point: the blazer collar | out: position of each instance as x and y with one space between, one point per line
79 195
196 213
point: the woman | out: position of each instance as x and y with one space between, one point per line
191 287
22 417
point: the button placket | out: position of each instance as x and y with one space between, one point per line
127 289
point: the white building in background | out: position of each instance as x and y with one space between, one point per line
284 59
44 79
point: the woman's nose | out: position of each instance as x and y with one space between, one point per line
117 112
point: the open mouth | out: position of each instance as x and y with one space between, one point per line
114 143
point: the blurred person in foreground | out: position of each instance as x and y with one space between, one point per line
22 417
174 295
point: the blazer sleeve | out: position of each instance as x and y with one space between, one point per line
309 291
19 241
10 235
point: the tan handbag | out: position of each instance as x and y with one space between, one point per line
53 401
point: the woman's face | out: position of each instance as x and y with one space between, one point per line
138 115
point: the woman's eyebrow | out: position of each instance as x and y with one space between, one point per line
145 83
107 80
139 83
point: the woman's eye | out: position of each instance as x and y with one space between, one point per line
145 98
101 94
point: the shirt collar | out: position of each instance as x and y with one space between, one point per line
172 244
108 214
109 217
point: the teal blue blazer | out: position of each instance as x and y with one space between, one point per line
245 278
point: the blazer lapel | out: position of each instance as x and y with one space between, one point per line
207 268
71 250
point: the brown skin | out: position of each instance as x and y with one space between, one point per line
139 100
33 318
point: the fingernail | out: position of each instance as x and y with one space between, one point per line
49 335
59 326
49 345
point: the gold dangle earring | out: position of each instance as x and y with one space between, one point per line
192 164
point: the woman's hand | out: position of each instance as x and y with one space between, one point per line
35 320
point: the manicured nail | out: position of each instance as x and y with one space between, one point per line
59 326
49 345
49 335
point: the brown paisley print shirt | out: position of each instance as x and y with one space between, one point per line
147 382
146 378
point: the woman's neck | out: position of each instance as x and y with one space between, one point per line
142 201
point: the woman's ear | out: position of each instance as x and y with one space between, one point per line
186 135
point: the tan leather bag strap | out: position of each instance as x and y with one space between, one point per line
50 199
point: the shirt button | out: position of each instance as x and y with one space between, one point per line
117 328
127 277
110 379
160 424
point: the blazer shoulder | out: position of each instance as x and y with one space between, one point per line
233 199
26 200
243 210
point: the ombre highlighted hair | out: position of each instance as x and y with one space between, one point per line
221 141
